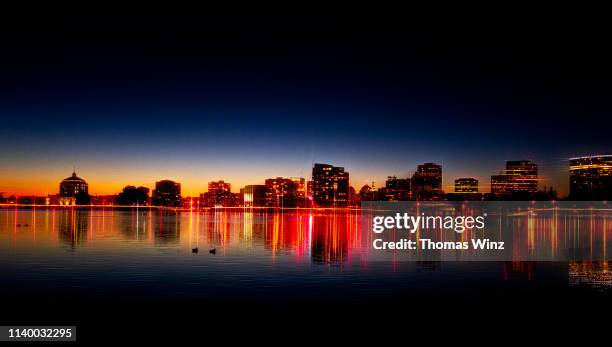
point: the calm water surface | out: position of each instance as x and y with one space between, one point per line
299 254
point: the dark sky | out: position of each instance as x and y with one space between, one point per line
133 100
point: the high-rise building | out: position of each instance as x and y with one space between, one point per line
396 189
309 187
330 187
591 177
254 195
218 194
219 187
73 190
301 189
283 192
466 185
167 193
427 182
519 178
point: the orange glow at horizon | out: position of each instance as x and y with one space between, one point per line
108 180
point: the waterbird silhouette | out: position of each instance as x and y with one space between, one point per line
213 251
194 250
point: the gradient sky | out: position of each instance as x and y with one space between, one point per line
244 99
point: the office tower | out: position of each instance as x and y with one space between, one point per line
300 184
466 185
520 179
427 182
309 187
330 187
218 194
591 177
396 189
282 192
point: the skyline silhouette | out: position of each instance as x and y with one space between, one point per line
204 100
589 176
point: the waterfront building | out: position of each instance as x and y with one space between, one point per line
519 178
218 194
309 187
466 185
282 192
591 177
427 182
73 190
301 191
396 189
330 186
254 195
466 189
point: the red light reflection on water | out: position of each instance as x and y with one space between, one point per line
320 236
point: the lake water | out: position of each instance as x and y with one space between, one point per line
56 261
96 249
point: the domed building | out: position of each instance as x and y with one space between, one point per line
72 187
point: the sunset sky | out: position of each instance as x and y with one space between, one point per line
243 100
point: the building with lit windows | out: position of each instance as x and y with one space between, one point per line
302 194
396 189
591 177
309 186
519 178
427 182
283 192
466 185
300 185
466 189
167 193
253 195
73 190
218 194
330 187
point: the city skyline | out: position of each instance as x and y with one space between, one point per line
51 183
108 173
518 174
199 101
251 169
108 176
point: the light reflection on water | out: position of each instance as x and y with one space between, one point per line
96 248
325 238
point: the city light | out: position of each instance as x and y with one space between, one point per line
329 187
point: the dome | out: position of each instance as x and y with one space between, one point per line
74 177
